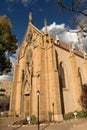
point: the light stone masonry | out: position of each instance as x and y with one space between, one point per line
54 69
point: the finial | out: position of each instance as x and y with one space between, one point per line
57 40
45 25
30 17
73 47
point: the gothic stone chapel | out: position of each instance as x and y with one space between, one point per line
54 68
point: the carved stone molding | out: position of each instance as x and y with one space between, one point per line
29 36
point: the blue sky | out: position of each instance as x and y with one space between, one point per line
18 12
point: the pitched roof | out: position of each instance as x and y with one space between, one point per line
67 47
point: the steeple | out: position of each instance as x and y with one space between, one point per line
45 25
30 17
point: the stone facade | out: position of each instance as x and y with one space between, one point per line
54 68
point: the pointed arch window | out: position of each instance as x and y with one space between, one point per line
62 76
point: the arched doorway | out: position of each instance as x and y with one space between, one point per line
27 99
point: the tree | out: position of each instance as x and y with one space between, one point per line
8 44
79 8
2 91
4 102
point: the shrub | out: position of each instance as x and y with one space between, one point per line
33 119
81 114
68 116
3 114
25 121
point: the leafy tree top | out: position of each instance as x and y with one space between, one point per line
8 44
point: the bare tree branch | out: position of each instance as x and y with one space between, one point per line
79 7
72 8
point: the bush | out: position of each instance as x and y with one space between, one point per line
25 121
3 114
33 119
81 114
4 103
68 116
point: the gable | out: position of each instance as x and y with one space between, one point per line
33 37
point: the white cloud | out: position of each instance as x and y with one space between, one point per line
6 77
55 30
24 2
59 30
27 2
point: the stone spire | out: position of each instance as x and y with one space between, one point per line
45 25
30 17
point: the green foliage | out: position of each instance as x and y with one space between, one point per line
33 119
81 114
8 44
68 116
3 114
4 102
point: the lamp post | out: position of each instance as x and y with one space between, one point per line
38 94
